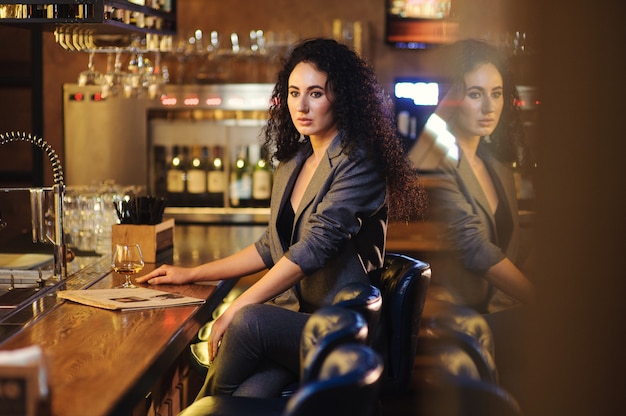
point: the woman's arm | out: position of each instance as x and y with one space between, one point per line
242 263
510 280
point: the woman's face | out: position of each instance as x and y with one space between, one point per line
481 107
310 102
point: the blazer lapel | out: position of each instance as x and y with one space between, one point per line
474 188
319 177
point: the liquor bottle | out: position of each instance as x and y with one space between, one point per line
262 180
176 177
241 179
216 178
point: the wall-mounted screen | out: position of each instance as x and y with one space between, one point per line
420 24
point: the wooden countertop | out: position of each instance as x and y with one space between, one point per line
103 362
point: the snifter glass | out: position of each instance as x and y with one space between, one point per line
127 260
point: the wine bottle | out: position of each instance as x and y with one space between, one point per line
216 178
262 180
196 175
176 177
241 179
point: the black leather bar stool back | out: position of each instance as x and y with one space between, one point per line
404 283
364 299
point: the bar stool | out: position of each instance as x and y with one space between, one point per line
364 299
404 283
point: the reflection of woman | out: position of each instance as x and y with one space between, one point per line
475 194
340 164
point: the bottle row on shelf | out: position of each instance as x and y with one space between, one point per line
82 11
134 14
205 176
137 18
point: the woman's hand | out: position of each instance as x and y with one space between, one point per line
217 332
167 274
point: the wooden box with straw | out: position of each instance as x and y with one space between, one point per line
141 222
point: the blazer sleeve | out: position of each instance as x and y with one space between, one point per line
263 247
354 193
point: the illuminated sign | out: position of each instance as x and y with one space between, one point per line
422 93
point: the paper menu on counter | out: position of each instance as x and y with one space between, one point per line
121 299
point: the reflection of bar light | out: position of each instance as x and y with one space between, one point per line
213 101
422 93
191 101
235 101
169 101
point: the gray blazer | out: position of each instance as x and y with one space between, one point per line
339 228
459 202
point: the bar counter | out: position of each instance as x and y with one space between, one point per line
103 362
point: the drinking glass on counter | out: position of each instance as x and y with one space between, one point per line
127 260
89 212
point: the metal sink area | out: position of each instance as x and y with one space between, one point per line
27 295
18 287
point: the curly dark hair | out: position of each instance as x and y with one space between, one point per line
363 112
508 138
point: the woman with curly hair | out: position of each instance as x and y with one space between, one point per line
341 173
474 139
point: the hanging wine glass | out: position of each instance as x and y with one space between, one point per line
155 77
133 81
90 76
114 77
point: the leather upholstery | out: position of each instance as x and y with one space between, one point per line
458 353
404 283
443 314
324 331
442 394
348 384
365 299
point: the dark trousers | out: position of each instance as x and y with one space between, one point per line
259 354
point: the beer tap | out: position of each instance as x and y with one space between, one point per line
58 189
